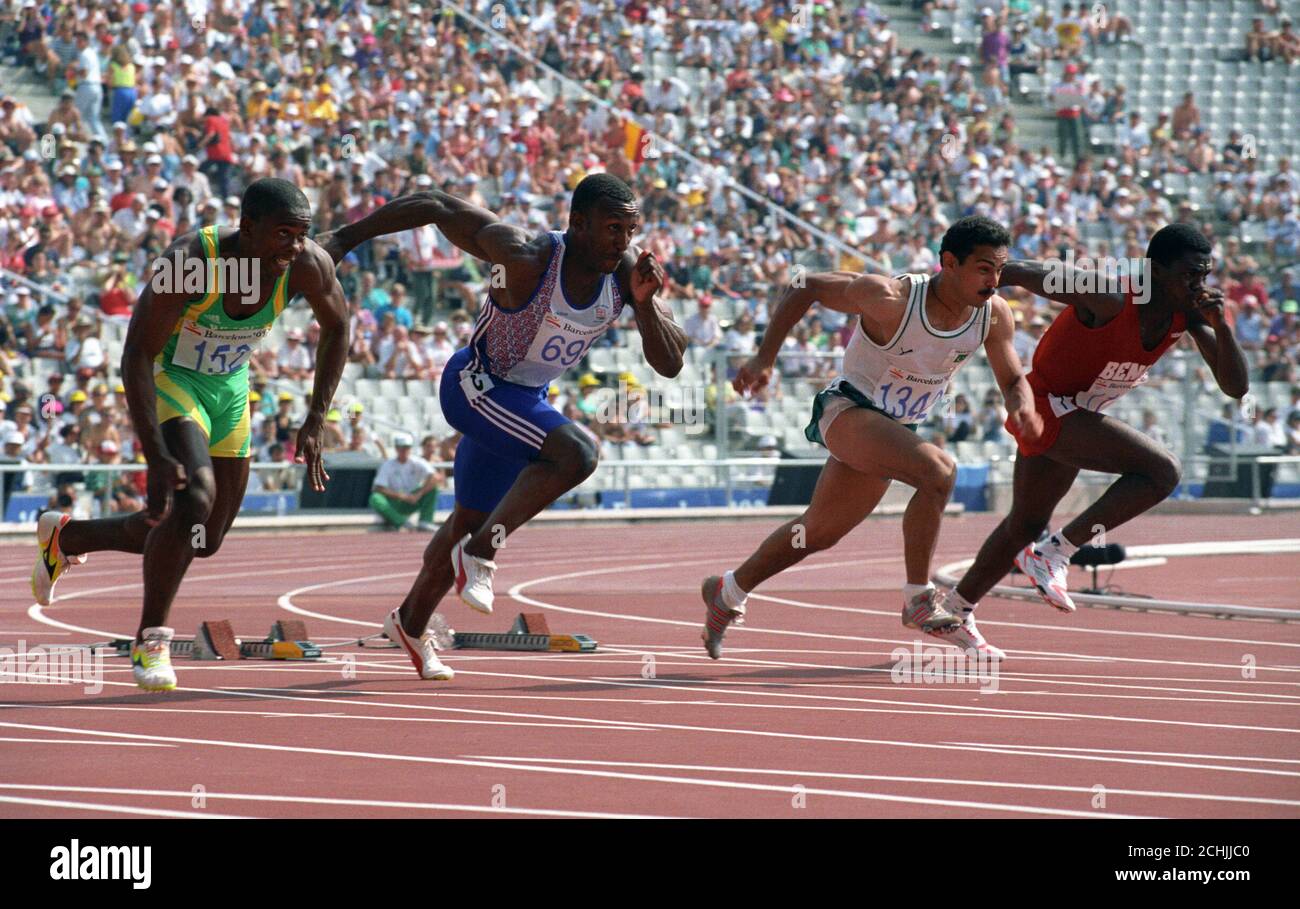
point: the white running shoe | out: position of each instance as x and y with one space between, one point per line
1049 569
966 636
718 616
925 612
473 577
51 563
422 652
151 660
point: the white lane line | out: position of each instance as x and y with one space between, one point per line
516 593
586 725
187 795
598 774
804 604
648 726
115 809
85 742
1172 754
801 774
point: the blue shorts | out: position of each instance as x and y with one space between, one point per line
503 430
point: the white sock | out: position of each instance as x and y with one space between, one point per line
732 596
1064 546
956 603
911 590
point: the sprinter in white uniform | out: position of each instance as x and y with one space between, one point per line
913 332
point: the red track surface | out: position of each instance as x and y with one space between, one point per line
1152 713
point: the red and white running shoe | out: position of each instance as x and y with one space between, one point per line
422 651
1048 568
473 578
966 636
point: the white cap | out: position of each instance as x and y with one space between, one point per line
15 438
424 180
402 440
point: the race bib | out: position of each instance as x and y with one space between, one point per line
1115 381
559 344
215 351
907 396
475 384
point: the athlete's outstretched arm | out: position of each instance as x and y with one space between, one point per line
843 291
314 279
152 321
1218 345
1049 280
662 340
460 221
475 230
1009 372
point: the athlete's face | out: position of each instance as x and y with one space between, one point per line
977 278
1183 282
277 239
604 233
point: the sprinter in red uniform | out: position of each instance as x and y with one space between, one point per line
1092 354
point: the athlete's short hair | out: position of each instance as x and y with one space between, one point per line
272 196
1171 242
597 188
968 233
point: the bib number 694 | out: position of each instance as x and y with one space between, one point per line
568 354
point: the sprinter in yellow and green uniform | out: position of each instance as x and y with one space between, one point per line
202 371
185 369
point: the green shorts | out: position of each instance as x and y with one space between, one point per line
219 405
840 390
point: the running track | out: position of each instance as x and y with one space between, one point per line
1105 713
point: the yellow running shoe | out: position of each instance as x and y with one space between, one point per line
51 563
151 660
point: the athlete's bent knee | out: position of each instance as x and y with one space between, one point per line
206 546
581 457
193 504
1166 474
940 475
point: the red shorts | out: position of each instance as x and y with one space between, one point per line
1051 408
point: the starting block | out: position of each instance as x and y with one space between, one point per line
217 641
530 632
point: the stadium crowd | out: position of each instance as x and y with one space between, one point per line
162 118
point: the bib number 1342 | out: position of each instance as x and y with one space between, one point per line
905 403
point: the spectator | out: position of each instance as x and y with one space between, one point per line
437 350
1151 426
1067 100
403 486
702 327
958 421
293 361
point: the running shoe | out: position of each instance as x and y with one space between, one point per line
51 563
925 612
718 616
151 660
1048 568
422 651
473 577
966 636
